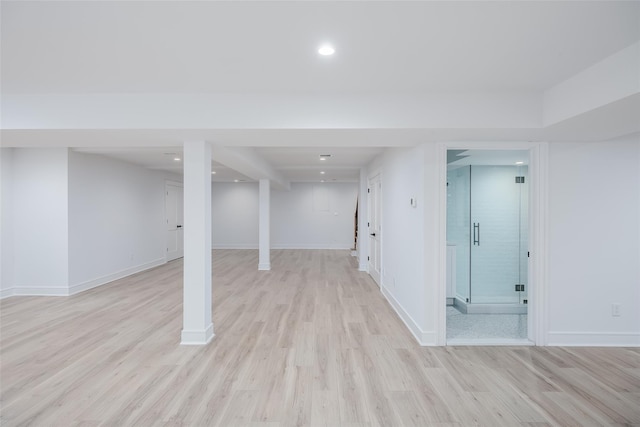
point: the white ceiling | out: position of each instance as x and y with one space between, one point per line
490 158
162 159
269 47
297 164
265 46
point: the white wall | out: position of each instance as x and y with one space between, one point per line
41 262
594 242
6 222
116 219
314 216
402 175
234 211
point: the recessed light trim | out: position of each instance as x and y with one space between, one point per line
519 163
176 159
321 172
326 50
213 172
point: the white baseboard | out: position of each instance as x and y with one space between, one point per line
364 266
197 337
593 339
93 283
264 266
235 246
311 246
40 291
62 291
489 341
424 338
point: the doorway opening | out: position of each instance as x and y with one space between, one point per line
173 201
374 189
487 235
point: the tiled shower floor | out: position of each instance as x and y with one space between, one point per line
485 326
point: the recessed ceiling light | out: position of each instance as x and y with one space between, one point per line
213 172
326 50
321 172
323 158
322 180
235 180
176 159
519 163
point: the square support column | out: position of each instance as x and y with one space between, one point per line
197 327
264 222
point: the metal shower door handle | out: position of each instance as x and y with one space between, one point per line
476 233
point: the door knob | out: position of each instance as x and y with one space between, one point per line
178 226
372 234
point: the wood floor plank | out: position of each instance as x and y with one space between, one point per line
311 342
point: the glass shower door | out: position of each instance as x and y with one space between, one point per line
496 236
458 226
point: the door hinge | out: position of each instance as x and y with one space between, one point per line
368 225
528 254
368 190
367 258
519 179
519 288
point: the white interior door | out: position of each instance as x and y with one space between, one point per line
173 211
374 227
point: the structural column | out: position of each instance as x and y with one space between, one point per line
264 262
197 328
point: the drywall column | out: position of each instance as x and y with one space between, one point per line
363 237
264 262
197 328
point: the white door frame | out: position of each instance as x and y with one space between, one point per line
373 179
538 235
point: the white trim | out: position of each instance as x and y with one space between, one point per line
441 273
538 233
364 267
593 339
264 267
539 244
199 337
489 341
103 280
424 338
40 291
235 246
80 287
339 246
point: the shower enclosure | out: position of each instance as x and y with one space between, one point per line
487 224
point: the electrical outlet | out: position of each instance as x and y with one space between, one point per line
615 310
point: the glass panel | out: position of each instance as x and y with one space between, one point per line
458 225
495 234
524 232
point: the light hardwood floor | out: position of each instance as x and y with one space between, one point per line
311 342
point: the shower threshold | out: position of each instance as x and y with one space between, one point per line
469 308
